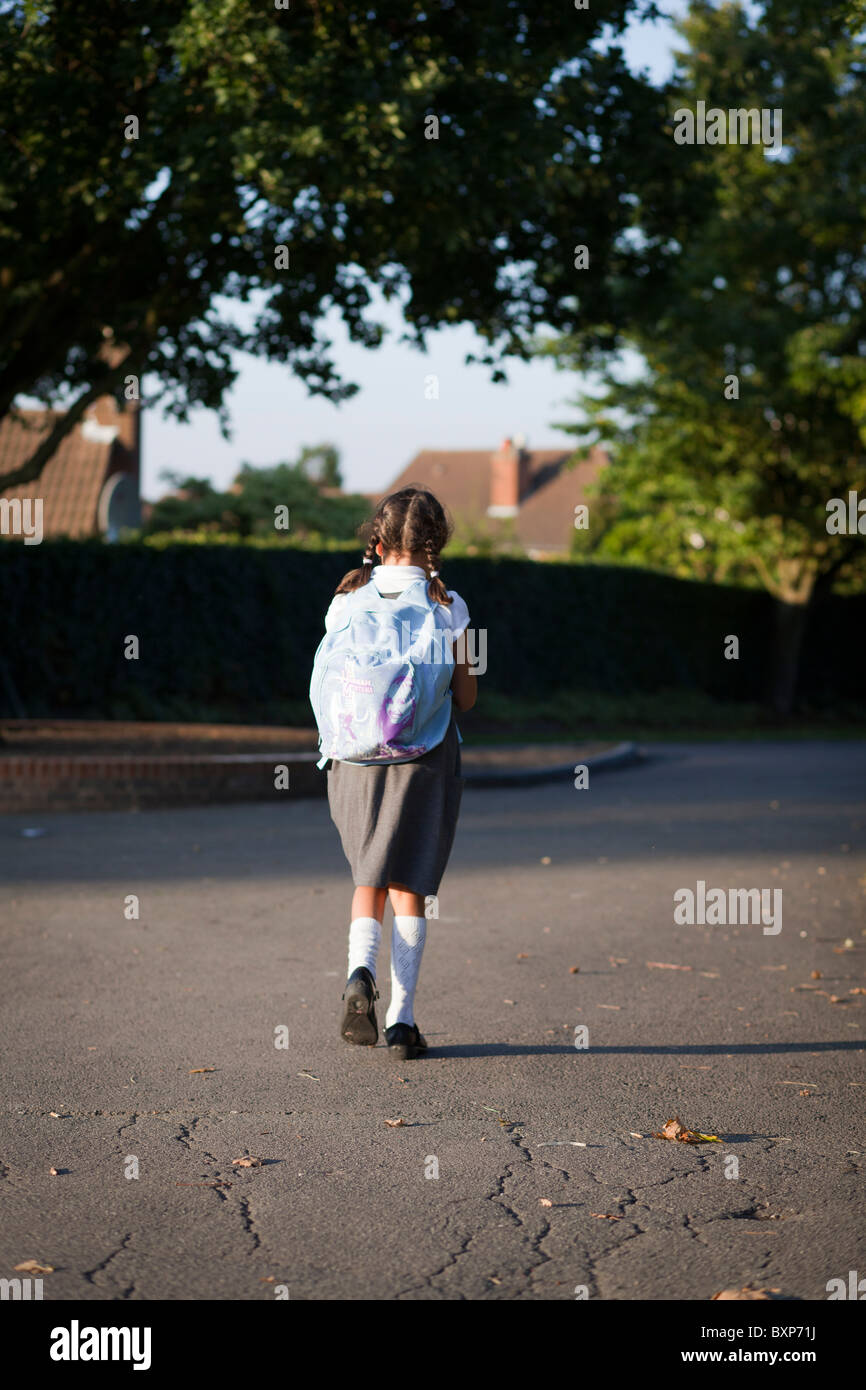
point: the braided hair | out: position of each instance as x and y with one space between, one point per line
409 522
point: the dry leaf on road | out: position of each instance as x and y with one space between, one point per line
394 1124
198 1071
675 1129
660 965
34 1267
246 1163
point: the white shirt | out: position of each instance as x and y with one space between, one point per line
393 579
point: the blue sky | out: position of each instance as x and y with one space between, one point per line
379 430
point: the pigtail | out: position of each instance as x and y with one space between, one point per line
435 587
355 579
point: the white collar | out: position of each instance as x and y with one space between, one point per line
395 578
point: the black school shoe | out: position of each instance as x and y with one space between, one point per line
405 1042
359 1017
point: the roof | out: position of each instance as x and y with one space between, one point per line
460 478
546 517
72 479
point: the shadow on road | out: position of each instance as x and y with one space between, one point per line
645 1049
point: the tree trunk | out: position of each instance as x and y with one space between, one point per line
790 628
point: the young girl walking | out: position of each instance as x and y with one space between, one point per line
384 687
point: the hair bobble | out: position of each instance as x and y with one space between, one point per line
434 574
368 560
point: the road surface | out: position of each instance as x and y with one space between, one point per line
148 1047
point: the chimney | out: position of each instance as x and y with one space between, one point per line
509 478
127 422
127 426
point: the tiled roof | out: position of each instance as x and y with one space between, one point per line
71 480
460 478
546 517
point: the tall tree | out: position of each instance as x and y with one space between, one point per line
750 416
163 158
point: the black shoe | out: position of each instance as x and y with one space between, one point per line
405 1041
359 1017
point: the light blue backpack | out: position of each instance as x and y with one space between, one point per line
381 681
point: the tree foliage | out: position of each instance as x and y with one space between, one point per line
749 415
259 498
155 155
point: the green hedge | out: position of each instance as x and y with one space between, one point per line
229 632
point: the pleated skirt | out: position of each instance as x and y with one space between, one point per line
397 820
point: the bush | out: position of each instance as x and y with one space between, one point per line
229 631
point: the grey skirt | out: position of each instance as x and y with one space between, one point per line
397 820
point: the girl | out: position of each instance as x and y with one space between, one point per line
397 820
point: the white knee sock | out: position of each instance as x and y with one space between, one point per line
365 933
408 935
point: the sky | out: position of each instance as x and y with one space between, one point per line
389 420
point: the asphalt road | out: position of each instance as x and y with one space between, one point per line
543 1187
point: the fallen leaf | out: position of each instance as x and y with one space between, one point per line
34 1267
545 1202
55 1172
309 1074
676 1130
394 1124
523 955
660 965
198 1071
494 1281
246 1163
805 1093
608 1006
858 989
635 1135
605 1216
574 970
508 1001
268 1279
816 975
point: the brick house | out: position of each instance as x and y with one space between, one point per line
512 493
91 485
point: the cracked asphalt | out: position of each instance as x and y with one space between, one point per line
152 1041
